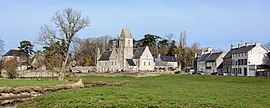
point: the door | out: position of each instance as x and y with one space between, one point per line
245 71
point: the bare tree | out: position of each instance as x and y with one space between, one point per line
169 36
2 46
69 22
267 45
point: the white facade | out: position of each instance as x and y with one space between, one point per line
245 64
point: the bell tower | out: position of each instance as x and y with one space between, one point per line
125 47
126 43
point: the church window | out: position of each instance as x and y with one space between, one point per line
149 63
129 42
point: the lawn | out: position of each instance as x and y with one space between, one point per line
23 82
163 91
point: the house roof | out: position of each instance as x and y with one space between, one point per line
126 33
213 56
137 52
229 54
168 58
105 56
243 49
204 57
130 62
13 52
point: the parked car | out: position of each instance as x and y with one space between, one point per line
198 73
214 73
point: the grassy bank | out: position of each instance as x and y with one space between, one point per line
23 82
163 91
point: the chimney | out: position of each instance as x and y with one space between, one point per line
159 56
258 44
246 44
239 45
231 46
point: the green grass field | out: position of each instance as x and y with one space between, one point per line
163 91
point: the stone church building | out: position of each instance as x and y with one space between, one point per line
124 57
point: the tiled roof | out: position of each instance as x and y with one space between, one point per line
213 56
168 58
105 56
130 62
137 52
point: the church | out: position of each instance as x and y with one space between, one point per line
124 57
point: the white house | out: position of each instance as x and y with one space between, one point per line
247 60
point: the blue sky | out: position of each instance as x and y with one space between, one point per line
215 23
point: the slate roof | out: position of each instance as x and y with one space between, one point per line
105 56
13 52
137 52
130 62
213 56
243 49
229 54
204 57
168 58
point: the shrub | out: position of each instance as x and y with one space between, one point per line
10 66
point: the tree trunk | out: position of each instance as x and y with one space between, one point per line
64 69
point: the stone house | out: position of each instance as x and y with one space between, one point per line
124 57
213 61
166 63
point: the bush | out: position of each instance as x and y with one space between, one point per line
10 66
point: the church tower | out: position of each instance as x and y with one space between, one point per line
125 46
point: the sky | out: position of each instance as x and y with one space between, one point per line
212 23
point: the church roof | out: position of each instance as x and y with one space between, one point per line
126 33
105 56
130 62
137 52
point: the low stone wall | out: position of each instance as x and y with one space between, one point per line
33 74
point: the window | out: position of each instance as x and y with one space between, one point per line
144 63
129 42
149 63
245 62
239 71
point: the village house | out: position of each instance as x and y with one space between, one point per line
200 59
124 57
213 61
247 60
166 63
19 55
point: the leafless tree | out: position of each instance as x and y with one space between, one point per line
267 45
69 22
2 46
169 36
